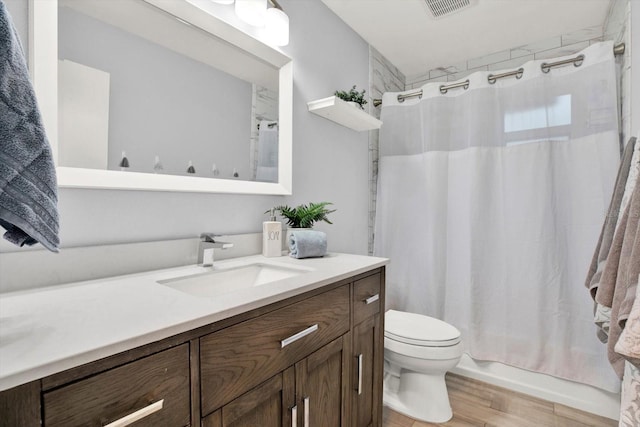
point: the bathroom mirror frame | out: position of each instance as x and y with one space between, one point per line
43 63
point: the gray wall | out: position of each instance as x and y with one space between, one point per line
330 161
162 103
19 11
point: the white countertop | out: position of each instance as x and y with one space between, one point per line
49 330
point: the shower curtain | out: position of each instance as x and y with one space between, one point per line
267 158
489 202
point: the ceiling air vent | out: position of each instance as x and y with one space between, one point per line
441 8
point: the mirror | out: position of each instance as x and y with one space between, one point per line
163 95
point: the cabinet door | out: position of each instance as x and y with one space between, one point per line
267 405
322 386
367 380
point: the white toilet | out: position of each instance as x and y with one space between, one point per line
418 352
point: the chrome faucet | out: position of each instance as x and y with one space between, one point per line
207 245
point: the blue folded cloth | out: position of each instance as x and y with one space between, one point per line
28 186
307 244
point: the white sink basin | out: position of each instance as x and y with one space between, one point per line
213 283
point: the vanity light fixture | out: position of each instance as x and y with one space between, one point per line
277 25
253 12
257 13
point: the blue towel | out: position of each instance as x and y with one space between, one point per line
307 244
28 187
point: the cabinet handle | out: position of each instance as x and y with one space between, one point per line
306 411
294 416
371 299
360 369
293 338
138 415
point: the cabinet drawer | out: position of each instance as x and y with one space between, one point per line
366 298
238 358
155 388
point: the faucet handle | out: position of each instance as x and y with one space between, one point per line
209 237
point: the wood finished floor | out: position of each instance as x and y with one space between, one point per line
479 404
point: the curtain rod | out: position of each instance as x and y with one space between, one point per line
276 4
491 78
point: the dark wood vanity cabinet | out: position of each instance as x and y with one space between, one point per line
311 360
368 351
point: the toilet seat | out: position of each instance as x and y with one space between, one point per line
419 330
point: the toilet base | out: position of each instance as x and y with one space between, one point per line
419 396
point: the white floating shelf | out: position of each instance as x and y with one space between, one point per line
341 112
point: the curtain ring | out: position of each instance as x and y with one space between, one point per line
578 61
545 67
519 73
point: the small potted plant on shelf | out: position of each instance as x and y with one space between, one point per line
352 96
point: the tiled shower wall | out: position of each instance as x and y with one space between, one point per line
385 77
617 27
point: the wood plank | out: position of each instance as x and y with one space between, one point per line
479 404
363 404
212 420
523 406
194 367
262 403
319 378
489 417
585 418
20 406
288 395
391 418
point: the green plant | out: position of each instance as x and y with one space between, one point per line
304 216
353 95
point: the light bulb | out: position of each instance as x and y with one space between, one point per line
277 27
253 12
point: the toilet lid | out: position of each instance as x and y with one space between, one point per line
418 329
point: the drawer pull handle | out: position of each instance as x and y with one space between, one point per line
360 369
293 338
306 411
371 299
138 415
294 416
